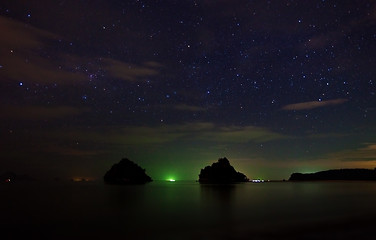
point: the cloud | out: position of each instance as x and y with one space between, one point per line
327 135
37 70
28 54
366 153
333 37
33 112
70 151
130 72
313 104
189 108
137 135
362 157
190 132
321 41
209 132
236 134
21 36
21 57
153 64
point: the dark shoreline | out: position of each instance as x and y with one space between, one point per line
356 174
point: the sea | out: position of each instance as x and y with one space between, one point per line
188 210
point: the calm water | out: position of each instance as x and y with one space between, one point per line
188 210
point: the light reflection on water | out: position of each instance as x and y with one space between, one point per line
188 210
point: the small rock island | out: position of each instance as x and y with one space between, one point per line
337 174
221 172
126 172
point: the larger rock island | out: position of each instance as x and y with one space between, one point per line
126 172
221 172
337 174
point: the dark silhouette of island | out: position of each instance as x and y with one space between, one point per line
126 172
221 172
336 174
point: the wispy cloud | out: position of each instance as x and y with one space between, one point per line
365 153
321 41
35 112
130 72
21 36
313 104
21 46
333 37
70 151
244 134
207 132
20 49
190 108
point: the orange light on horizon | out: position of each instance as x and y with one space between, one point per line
82 179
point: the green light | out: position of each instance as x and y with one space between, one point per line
170 177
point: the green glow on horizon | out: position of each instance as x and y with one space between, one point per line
170 178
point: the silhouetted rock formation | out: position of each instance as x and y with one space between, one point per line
126 172
221 172
339 174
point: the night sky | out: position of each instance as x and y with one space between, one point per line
275 86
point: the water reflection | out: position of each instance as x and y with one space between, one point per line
190 210
217 193
218 210
127 195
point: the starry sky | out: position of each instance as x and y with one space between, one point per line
275 86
